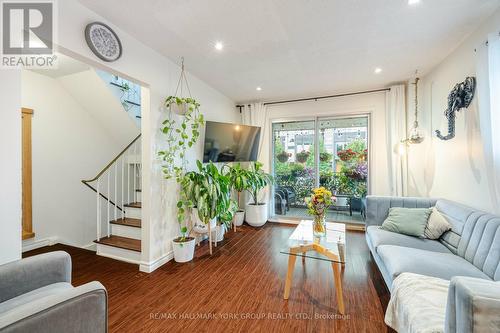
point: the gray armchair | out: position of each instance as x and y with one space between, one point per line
473 306
36 295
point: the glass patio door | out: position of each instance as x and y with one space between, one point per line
340 165
294 166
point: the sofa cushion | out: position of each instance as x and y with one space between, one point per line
399 259
378 236
407 221
437 225
33 295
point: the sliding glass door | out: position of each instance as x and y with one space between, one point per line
293 166
329 152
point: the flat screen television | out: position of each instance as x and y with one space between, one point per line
230 142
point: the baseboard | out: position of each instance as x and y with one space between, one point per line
111 256
154 265
33 243
91 247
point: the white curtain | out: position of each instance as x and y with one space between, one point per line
488 95
396 131
255 114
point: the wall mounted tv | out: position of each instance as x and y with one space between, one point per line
230 142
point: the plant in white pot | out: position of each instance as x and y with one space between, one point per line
209 190
183 246
180 136
239 180
256 212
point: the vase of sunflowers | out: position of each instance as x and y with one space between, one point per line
317 204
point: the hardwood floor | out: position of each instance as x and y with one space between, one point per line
243 279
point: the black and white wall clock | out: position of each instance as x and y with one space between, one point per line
103 41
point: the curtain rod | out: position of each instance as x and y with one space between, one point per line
321 97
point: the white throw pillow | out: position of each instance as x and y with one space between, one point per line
436 225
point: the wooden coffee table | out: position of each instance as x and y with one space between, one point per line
331 247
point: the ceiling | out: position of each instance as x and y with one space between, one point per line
298 48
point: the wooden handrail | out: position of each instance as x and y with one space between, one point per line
111 163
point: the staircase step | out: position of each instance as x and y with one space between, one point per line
134 205
130 222
121 242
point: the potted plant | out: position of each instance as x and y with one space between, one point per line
346 155
302 156
181 105
283 156
184 245
325 157
257 212
179 137
239 179
210 191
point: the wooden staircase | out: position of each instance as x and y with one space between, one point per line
124 242
118 200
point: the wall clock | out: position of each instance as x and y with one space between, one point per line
103 41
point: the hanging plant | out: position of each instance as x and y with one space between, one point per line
302 156
182 136
346 155
283 156
325 157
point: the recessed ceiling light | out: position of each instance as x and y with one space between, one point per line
378 70
258 88
219 46
413 2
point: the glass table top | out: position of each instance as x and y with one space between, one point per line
329 248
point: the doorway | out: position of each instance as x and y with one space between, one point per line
324 151
27 196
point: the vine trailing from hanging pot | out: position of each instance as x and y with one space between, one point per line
182 136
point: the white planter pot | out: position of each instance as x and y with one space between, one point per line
256 215
238 218
183 252
219 235
198 225
181 109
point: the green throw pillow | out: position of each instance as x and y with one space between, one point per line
407 221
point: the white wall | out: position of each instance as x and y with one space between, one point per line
10 166
160 75
69 145
374 104
97 97
453 169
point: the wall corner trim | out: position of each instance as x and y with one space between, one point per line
149 267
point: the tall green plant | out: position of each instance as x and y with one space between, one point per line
238 178
257 180
210 191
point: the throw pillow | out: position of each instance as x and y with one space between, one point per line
407 221
437 225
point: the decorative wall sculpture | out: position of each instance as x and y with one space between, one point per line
460 97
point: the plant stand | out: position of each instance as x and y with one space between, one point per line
201 230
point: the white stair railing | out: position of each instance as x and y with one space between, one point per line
116 186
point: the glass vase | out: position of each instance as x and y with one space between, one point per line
319 226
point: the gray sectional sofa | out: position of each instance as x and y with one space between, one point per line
36 295
468 256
